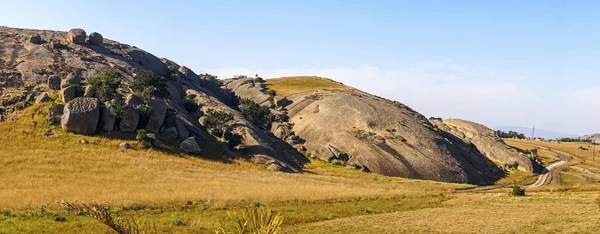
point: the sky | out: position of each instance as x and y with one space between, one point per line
499 63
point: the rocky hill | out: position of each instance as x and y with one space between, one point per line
592 137
99 85
487 142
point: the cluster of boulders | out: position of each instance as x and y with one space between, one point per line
83 113
74 36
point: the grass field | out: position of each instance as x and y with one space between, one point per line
170 192
291 85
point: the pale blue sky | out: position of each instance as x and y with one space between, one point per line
494 62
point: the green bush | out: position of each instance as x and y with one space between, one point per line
144 109
189 104
117 106
19 106
106 84
211 78
142 137
178 222
146 84
512 166
517 191
255 113
215 120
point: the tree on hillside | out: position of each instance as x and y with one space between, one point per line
510 134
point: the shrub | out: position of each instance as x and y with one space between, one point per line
179 222
117 106
216 120
512 166
258 115
146 84
146 140
19 106
101 212
144 109
189 104
517 191
255 219
211 78
106 84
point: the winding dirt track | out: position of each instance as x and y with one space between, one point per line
551 174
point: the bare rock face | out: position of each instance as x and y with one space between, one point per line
96 39
157 116
68 94
76 36
81 115
350 127
249 88
488 143
131 118
107 118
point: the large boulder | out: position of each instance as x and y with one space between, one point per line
35 39
190 146
81 115
107 118
96 39
131 118
72 78
76 36
54 82
68 93
157 116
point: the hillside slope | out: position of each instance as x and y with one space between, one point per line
42 62
343 125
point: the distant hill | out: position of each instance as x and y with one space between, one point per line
546 134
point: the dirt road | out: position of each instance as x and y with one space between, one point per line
551 174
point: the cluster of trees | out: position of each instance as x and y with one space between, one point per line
511 134
568 139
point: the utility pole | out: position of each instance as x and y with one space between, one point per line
533 132
594 153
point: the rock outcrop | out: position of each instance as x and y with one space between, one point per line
487 142
157 116
96 39
350 127
81 115
76 36
190 146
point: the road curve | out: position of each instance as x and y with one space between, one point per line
551 174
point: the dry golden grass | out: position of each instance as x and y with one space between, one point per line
286 86
480 213
37 170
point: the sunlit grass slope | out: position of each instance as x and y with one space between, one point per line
285 86
38 170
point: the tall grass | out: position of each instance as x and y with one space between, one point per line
255 220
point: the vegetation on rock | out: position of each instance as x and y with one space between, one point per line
106 84
255 113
